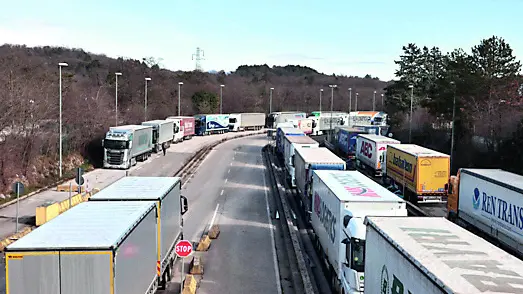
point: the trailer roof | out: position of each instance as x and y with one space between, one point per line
350 129
417 150
128 127
89 225
450 255
137 188
156 121
288 130
350 185
179 117
501 177
319 155
379 138
301 139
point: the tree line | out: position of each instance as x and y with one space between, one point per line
482 89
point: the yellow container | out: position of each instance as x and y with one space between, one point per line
423 171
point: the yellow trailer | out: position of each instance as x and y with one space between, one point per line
423 173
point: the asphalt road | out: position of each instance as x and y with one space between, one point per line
157 165
231 185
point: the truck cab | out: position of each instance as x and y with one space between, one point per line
117 145
353 267
235 122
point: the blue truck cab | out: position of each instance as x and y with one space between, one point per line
206 124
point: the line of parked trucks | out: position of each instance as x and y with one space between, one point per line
121 241
125 145
361 228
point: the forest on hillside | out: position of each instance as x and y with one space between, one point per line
29 91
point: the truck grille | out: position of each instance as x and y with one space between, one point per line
115 158
362 287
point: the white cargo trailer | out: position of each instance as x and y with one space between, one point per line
431 255
490 200
165 192
246 121
290 143
341 201
163 133
178 133
307 160
95 247
124 145
371 151
322 121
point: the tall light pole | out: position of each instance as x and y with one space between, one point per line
332 105
350 100
410 116
221 98
145 102
179 97
60 65
382 105
270 101
321 92
453 122
374 101
116 74
356 106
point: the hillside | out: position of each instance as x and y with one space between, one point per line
29 91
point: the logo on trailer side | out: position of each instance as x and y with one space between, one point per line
366 149
326 217
504 212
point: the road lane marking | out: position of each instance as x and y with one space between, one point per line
214 216
229 171
271 228
230 164
226 180
221 193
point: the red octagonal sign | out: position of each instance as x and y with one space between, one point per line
183 248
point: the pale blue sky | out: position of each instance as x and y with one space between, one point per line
343 37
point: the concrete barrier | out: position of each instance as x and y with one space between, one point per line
190 284
214 232
4 243
52 209
196 266
67 188
204 244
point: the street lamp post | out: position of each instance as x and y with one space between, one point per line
332 105
453 122
221 98
116 74
321 92
356 105
374 101
410 116
350 100
270 101
60 65
145 104
179 97
382 105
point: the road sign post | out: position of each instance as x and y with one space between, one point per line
183 249
18 188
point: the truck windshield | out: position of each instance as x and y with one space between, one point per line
357 255
115 144
232 120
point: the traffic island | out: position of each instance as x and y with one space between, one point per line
204 244
214 232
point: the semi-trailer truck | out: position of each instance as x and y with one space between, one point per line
421 173
431 255
290 144
491 201
345 141
322 122
371 152
95 247
246 121
177 129
274 118
163 133
341 201
377 118
281 133
187 124
165 193
304 162
124 145
207 124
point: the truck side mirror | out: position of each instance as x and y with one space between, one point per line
346 240
184 204
292 160
346 220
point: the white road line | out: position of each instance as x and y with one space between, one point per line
221 193
230 164
214 216
226 180
271 229
229 171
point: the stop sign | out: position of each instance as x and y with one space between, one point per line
183 248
